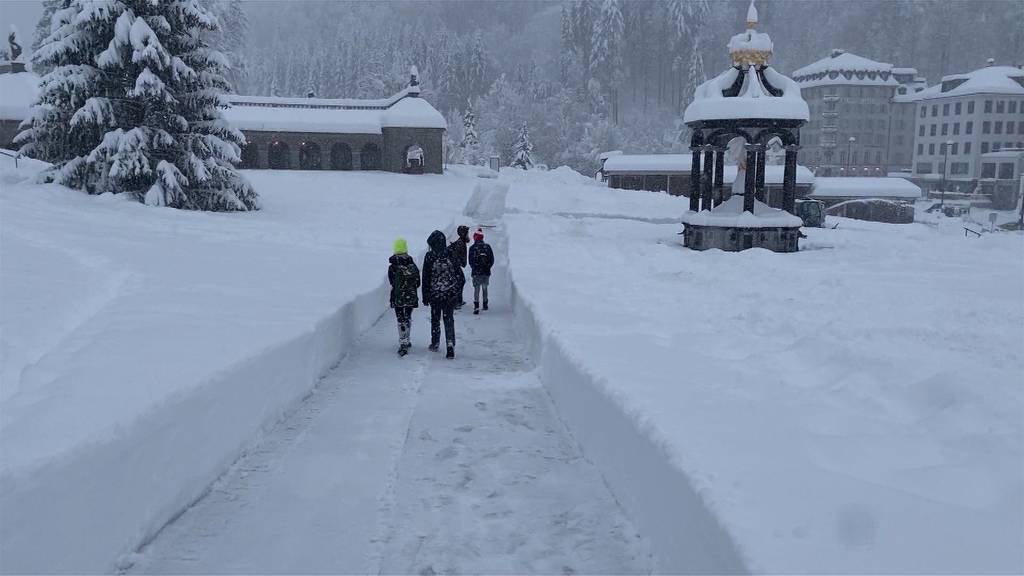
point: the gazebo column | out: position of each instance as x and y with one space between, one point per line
719 175
706 178
759 185
695 180
751 181
789 180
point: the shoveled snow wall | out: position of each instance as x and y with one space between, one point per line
69 518
685 536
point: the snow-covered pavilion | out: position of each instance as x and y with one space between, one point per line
403 133
746 110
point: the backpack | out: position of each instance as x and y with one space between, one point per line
445 277
406 278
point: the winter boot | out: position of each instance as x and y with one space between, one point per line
451 352
433 346
476 308
403 350
485 304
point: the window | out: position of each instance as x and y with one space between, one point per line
920 149
996 146
988 106
956 128
923 168
1020 127
988 170
986 127
967 147
1013 106
956 146
958 167
945 109
920 132
933 128
935 110
1000 106
924 111
945 129
931 149
984 147
999 126
957 109
878 157
1009 127
970 107
969 128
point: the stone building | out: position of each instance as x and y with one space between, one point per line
403 133
858 125
962 118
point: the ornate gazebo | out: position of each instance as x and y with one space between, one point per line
745 109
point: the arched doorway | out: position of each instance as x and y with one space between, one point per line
341 156
413 159
369 158
250 155
309 156
278 156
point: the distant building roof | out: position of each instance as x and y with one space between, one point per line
680 164
17 93
853 187
841 67
333 115
987 80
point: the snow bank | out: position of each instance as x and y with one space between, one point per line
869 421
143 349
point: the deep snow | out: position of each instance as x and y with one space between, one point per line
854 407
142 348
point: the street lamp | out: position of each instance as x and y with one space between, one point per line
945 171
849 154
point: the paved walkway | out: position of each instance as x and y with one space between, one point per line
411 465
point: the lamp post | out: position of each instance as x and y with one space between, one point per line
849 155
945 172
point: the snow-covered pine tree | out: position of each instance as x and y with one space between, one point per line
133 106
606 57
470 144
522 158
230 39
42 32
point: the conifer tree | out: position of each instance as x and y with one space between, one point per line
523 149
132 106
470 144
43 31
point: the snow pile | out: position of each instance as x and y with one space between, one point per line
851 187
855 409
17 93
730 214
143 349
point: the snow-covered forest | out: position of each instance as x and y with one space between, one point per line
588 75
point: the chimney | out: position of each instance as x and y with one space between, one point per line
836 52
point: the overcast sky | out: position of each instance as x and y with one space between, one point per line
24 14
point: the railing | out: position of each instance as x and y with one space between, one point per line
15 155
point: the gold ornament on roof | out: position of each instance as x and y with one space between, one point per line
747 58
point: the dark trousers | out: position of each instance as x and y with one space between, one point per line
436 313
404 316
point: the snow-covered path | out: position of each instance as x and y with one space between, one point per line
415 465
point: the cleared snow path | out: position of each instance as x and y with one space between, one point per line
416 465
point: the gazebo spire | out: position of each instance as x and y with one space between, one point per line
751 16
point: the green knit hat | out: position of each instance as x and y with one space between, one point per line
401 247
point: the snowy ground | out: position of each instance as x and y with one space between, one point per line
855 407
142 348
413 466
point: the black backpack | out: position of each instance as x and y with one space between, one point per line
445 277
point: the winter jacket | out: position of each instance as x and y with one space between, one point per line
461 245
404 277
481 258
442 278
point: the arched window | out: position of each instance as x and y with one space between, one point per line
341 156
369 158
279 156
309 156
250 155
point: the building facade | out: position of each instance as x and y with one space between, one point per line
857 126
961 119
18 90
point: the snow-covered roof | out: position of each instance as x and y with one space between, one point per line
853 187
845 68
334 116
987 80
17 93
730 214
753 100
1004 153
680 163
